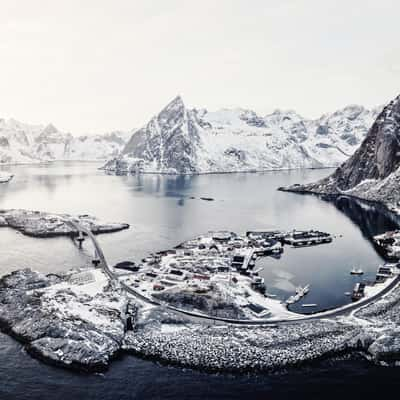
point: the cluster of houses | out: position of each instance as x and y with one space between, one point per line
389 244
220 264
384 272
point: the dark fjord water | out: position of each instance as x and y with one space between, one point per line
164 211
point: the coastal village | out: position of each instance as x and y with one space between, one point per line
185 305
216 274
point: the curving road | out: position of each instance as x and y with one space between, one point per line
347 309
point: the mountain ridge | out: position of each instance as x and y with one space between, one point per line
25 143
183 141
373 171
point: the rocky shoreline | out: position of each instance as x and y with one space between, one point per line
372 173
80 320
74 325
43 225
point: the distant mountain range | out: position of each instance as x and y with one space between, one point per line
24 143
373 172
186 141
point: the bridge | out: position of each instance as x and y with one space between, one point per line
336 312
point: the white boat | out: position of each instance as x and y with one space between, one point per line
356 271
309 305
5 177
300 292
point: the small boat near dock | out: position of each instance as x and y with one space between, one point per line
358 291
356 271
300 293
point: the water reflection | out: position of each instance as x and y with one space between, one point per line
162 214
370 218
164 210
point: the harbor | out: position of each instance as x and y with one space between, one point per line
217 274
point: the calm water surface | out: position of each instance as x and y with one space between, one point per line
162 212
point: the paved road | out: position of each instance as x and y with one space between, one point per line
202 317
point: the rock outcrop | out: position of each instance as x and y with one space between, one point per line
168 141
75 320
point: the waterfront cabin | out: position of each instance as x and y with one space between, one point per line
307 238
201 277
237 261
176 275
158 287
222 236
383 273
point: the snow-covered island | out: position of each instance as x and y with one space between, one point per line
43 224
5 177
86 317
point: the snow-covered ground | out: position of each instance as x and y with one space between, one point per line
42 224
201 276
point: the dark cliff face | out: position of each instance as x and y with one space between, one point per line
377 157
169 139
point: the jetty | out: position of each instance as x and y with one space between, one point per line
307 238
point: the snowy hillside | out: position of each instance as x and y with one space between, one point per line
182 140
23 143
373 172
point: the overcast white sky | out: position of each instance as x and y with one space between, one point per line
111 64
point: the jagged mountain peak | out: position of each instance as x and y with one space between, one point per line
182 140
175 104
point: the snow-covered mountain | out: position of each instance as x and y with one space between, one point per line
183 140
373 172
24 143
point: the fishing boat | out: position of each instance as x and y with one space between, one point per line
300 292
356 271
